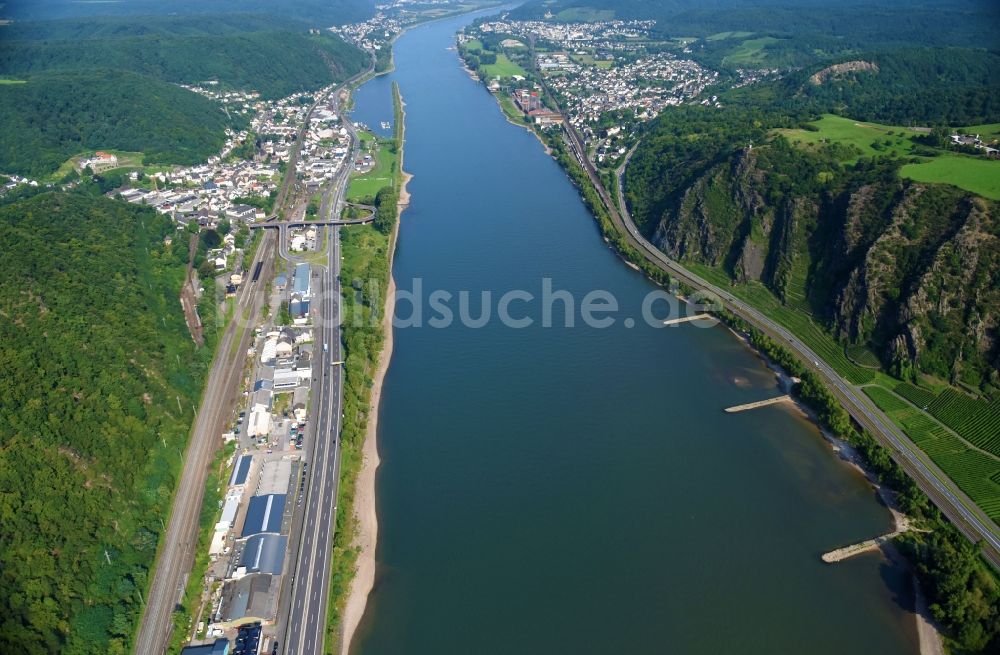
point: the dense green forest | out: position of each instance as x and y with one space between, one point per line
116 27
55 116
275 63
100 379
321 12
910 86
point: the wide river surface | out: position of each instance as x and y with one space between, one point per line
579 489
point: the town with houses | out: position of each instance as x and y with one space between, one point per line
597 68
376 32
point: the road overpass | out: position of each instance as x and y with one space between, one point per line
284 225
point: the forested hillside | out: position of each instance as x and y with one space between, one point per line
275 63
905 86
54 116
322 13
116 27
100 377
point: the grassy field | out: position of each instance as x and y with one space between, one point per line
511 110
720 36
837 129
588 60
125 160
975 174
503 68
987 132
368 184
750 52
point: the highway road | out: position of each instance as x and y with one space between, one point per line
959 509
302 616
176 549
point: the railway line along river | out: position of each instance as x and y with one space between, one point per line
580 489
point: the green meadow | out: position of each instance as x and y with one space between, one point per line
871 139
365 186
503 68
976 174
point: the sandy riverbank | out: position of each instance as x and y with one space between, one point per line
366 535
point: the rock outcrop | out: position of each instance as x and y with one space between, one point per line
839 70
910 270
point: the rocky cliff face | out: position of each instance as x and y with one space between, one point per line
839 70
911 270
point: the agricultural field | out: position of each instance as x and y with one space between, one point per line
886 400
863 356
977 474
977 421
920 397
721 36
750 52
976 174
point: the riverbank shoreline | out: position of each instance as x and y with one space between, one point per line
474 76
929 637
366 512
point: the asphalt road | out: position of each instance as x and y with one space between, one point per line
309 578
959 509
304 616
176 550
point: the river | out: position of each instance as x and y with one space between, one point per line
579 489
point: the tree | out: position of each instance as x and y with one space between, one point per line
210 238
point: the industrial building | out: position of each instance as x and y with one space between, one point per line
302 284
